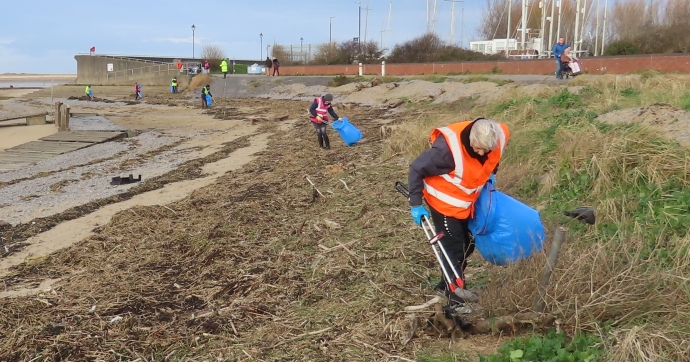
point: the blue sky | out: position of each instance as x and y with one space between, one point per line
44 35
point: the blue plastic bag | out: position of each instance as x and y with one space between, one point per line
505 230
347 131
208 100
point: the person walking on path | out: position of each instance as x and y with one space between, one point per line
89 93
448 176
268 65
224 68
558 50
318 110
276 67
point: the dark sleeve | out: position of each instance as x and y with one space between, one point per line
312 109
438 160
332 113
496 168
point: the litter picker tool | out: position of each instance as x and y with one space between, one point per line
456 285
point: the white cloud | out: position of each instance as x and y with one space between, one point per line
6 41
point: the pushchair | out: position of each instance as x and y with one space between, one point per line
571 69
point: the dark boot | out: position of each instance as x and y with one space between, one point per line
328 143
320 141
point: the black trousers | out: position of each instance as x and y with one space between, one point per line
321 129
456 240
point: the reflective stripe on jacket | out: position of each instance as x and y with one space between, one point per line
321 110
453 194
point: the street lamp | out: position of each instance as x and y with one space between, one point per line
330 31
193 53
301 45
359 28
262 47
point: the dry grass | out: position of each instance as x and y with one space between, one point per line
199 80
628 272
252 265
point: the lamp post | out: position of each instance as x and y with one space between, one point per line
330 29
193 52
359 28
301 45
261 56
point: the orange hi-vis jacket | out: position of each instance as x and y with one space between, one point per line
453 194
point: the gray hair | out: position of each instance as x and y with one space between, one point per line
484 134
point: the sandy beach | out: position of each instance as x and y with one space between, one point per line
15 136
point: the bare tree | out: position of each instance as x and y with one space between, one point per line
281 53
214 54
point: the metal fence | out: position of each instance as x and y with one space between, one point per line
155 69
299 53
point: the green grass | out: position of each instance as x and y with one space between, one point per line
552 347
340 80
685 102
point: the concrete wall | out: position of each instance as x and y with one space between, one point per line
94 69
152 79
595 65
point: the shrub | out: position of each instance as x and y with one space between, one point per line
622 48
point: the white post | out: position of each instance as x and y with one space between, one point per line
510 9
388 34
560 15
51 90
360 69
577 25
553 14
603 33
524 23
383 69
452 21
542 33
584 23
596 32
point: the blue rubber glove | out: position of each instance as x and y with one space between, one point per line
492 178
417 213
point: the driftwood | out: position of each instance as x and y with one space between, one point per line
387 131
445 323
269 118
396 103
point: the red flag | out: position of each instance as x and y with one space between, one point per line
93 49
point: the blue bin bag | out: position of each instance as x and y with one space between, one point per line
505 230
208 99
171 89
347 131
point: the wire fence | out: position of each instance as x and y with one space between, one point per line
291 53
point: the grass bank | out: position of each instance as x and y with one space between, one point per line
622 281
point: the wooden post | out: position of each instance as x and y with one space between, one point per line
58 118
66 121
